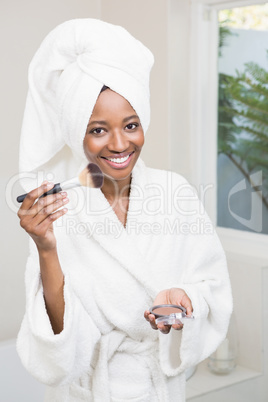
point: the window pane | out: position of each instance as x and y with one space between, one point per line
243 119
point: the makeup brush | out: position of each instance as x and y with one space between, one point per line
91 176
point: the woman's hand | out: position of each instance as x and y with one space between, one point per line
37 218
169 296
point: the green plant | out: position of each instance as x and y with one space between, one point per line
243 119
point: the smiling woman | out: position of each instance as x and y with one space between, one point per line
114 137
88 332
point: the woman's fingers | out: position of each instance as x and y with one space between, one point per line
165 329
31 197
37 215
42 228
180 297
151 319
44 202
186 303
146 315
177 327
33 213
49 207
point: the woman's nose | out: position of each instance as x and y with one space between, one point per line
118 142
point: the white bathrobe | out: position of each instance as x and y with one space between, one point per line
107 351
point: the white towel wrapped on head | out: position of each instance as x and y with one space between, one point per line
65 78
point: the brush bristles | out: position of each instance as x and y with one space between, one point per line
91 176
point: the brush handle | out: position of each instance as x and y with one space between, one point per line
56 189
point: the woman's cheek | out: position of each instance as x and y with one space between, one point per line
87 147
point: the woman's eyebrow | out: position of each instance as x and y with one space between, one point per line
130 117
97 122
103 122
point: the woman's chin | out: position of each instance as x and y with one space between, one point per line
117 176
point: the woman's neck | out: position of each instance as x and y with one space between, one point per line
117 194
116 189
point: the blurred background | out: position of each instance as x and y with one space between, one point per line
209 101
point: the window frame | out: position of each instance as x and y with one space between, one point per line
204 119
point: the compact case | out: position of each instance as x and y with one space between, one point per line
169 314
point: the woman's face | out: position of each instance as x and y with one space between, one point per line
114 136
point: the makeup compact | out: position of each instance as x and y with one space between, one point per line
169 314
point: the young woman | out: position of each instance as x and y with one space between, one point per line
143 239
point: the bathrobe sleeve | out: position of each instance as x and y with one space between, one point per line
54 359
205 279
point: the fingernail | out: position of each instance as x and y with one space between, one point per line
63 193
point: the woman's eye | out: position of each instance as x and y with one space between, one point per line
131 126
97 131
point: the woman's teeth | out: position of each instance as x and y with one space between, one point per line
119 160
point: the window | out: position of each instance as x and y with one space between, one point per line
208 164
242 165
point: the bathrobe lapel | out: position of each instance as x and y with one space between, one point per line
121 243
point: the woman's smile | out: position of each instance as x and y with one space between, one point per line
119 161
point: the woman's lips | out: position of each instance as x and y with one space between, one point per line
121 162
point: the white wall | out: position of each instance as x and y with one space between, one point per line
179 24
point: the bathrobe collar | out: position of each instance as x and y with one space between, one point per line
122 243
